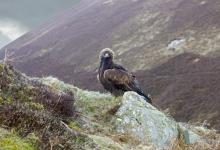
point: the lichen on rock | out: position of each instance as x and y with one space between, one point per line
149 125
145 122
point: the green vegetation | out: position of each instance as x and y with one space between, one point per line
90 103
75 125
11 141
32 110
57 84
13 87
95 103
34 105
33 122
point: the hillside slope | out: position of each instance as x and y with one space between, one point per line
172 46
31 119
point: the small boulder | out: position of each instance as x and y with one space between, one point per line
189 136
147 124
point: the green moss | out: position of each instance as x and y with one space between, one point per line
13 88
9 99
57 84
80 140
95 103
1 100
16 93
5 98
75 126
10 141
105 142
34 105
33 139
22 95
1 68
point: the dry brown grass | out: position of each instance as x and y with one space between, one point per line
211 140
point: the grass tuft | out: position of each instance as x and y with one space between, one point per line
11 141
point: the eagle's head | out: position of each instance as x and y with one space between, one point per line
106 53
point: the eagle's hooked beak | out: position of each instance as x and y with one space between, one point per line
106 55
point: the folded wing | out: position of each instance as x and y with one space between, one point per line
120 79
125 81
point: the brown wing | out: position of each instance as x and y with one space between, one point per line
119 77
125 81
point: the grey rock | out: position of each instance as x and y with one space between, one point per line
144 122
189 136
147 124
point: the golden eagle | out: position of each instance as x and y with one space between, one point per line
115 78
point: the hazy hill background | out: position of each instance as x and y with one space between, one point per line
20 16
173 46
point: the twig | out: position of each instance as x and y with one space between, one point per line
68 128
53 142
59 98
9 57
79 113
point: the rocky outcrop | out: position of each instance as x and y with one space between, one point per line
149 125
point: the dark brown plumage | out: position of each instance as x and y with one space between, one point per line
115 78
